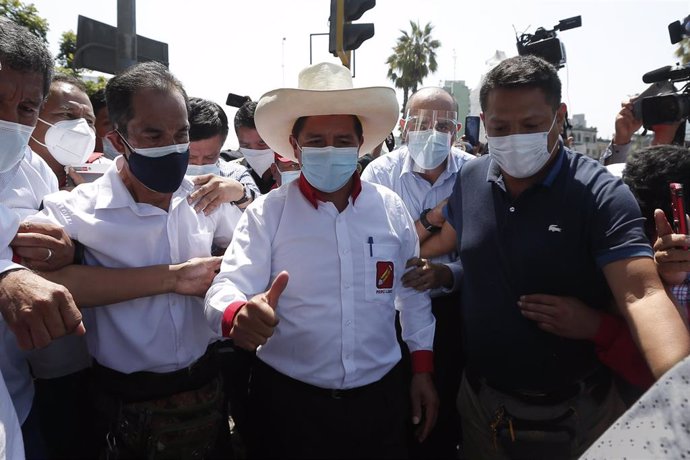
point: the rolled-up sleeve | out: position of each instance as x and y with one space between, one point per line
417 321
9 223
246 267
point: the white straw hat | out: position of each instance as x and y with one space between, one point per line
325 89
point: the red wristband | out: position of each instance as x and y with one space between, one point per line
422 361
229 316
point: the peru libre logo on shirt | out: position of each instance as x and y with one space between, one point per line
384 277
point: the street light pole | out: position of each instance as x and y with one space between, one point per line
126 34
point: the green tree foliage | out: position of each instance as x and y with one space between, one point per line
65 62
93 86
26 15
68 46
413 58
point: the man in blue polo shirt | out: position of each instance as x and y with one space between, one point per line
534 217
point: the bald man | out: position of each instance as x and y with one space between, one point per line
422 172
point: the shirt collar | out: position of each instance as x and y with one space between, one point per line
551 176
314 195
113 194
494 173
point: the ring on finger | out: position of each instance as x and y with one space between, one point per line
49 256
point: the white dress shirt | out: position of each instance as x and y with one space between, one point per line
9 224
160 333
337 313
395 171
22 189
11 443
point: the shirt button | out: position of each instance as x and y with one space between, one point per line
348 322
346 251
347 286
512 209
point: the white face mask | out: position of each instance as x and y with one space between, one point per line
259 160
428 148
521 155
109 150
200 170
157 152
288 176
70 142
14 137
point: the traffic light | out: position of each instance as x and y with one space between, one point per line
345 36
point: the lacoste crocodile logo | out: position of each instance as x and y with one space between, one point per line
554 228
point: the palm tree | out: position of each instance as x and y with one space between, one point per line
683 50
413 58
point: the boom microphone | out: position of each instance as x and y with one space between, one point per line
673 73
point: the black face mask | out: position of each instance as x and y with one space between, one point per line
162 173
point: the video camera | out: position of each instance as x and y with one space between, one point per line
667 104
545 44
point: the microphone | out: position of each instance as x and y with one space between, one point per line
668 72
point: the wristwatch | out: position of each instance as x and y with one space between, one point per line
247 195
426 224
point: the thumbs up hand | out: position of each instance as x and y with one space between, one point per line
670 251
254 323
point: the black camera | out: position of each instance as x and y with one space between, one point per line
678 30
666 105
545 44
662 102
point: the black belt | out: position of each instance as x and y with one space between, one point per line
146 386
597 383
264 369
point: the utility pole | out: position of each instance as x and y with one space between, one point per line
126 34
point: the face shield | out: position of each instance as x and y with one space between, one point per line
429 135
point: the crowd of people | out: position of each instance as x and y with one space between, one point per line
317 296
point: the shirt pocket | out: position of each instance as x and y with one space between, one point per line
381 265
200 244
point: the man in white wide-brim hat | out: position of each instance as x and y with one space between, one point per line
327 382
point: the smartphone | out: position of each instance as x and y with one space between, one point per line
680 224
235 100
90 171
472 129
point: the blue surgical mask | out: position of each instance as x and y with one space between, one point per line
160 169
109 150
428 148
200 170
329 168
14 138
288 176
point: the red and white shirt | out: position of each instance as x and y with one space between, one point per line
337 313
